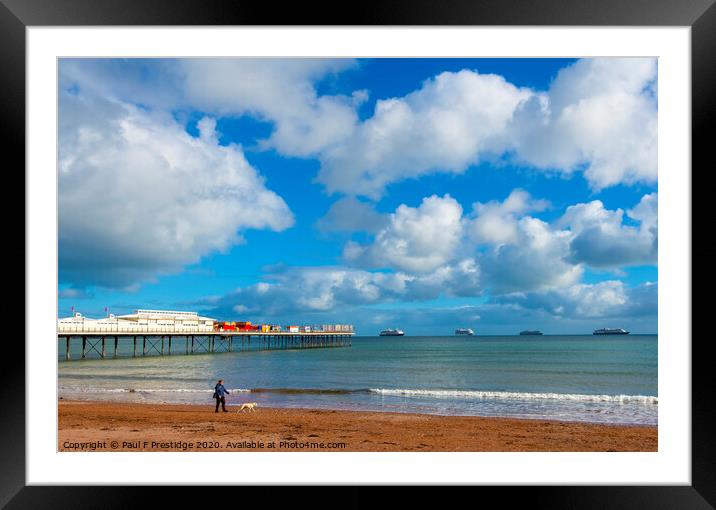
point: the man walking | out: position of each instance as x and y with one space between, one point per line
219 392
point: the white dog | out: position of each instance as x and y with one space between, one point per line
251 406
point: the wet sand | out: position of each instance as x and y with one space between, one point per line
108 426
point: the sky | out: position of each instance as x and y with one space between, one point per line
421 194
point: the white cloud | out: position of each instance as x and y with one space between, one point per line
139 196
596 300
325 289
416 240
459 279
646 211
177 198
278 90
600 300
573 309
600 115
602 240
318 289
444 126
496 222
531 275
510 250
149 82
535 260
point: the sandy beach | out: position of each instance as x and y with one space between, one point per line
106 426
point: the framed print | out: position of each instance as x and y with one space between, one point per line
416 246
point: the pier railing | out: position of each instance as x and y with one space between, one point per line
181 330
120 343
93 329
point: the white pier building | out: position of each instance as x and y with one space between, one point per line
142 321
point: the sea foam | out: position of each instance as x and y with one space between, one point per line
511 395
145 390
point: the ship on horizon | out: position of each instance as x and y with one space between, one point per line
527 332
610 331
392 332
464 332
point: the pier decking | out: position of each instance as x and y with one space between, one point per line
107 344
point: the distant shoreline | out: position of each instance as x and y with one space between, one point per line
94 426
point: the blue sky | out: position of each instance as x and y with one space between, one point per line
426 194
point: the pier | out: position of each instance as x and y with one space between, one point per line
126 344
167 332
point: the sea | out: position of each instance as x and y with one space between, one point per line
584 378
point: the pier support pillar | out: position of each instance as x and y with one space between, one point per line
116 341
170 345
186 345
134 352
84 346
67 348
103 347
144 345
192 344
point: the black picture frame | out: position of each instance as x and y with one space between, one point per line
700 15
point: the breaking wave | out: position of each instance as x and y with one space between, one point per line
458 394
146 390
510 395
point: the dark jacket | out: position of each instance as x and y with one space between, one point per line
219 391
